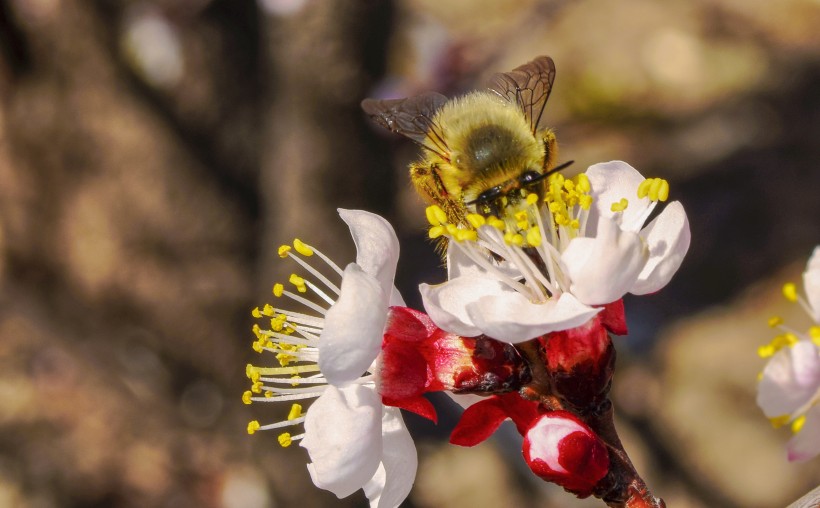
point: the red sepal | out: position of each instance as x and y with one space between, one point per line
478 422
613 317
418 405
521 411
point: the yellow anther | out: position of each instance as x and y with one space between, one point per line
246 397
253 426
452 229
760 376
797 424
435 232
532 199
295 380
476 220
258 346
257 331
256 387
517 240
814 333
534 236
569 185
299 282
283 251
620 206
268 310
790 291
766 351
302 248
295 412
435 215
468 235
663 191
268 394
775 321
655 188
278 289
585 201
575 224
284 439
643 188
255 312
555 207
496 223
285 359
779 421
582 183
250 371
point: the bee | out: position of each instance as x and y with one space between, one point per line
482 149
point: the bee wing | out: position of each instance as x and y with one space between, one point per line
411 117
528 86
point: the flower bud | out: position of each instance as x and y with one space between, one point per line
561 449
580 362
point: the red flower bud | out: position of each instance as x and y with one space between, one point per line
561 449
580 362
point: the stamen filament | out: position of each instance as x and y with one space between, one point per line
333 287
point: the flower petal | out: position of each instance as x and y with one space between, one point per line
352 336
604 268
805 444
790 379
446 303
611 181
377 248
811 283
668 239
510 317
343 438
395 476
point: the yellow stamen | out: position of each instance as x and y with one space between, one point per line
532 199
278 289
534 236
476 220
255 312
283 251
779 421
643 188
435 215
284 439
775 321
766 351
246 397
496 223
253 426
299 282
790 292
302 248
295 412
620 206
435 232
466 235
798 423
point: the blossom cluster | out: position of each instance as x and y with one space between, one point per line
523 320
788 391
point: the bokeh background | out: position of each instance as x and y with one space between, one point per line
153 155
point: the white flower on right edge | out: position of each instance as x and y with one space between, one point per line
545 267
789 387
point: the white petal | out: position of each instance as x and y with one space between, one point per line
806 444
811 283
354 326
460 264
377 248
789 380
512 318
395 298
604 268
343 438
446 303
611 181
393 480
668 239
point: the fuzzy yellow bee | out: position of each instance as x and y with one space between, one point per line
481 152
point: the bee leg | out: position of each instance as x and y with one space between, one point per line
428 183
550 148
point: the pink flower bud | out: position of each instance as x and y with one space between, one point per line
561 449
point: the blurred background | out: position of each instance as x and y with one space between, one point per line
153 155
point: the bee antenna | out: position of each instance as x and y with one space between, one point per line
556 169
